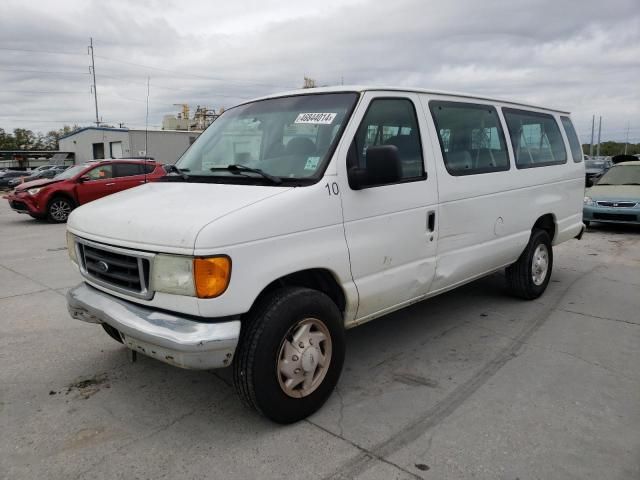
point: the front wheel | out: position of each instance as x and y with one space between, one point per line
290 354
59 209
529 276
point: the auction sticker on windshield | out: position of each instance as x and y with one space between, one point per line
316 118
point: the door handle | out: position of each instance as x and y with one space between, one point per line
431 221
110 184
142 181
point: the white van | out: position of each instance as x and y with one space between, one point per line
296 216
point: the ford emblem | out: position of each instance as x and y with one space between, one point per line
102 266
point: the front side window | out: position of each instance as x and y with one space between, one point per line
101 172
291 138
535 138
390 121
572 136
471 137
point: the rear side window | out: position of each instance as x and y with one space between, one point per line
390 121
148 168
471 137
127 169
535 138
572 136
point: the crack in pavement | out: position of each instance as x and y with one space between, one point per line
451 402
598 317
47 287
367 454
126 445
553 350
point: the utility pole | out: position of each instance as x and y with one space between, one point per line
93 71
599 132
626 143
593 126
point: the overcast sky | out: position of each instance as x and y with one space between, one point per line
582 56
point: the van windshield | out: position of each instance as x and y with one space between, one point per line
291 138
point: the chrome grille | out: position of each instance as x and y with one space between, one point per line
122 270
620 204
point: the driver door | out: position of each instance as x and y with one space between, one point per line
390 228
99 183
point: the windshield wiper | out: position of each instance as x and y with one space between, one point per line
239 168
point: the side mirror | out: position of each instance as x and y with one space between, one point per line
84 178
383 166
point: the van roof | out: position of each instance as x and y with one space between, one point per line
362 88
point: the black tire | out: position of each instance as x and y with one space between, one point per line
59 209
255 369
112 332
520 274
586 223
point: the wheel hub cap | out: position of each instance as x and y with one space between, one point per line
310 359
540 264
304 357
60 210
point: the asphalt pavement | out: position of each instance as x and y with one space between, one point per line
470 384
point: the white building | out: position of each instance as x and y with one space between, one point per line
90 143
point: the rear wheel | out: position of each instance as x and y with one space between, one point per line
290 354
59 209
529 276
586 223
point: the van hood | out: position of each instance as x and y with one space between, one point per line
163 216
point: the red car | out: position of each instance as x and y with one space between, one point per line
55 198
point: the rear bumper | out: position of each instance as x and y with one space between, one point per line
168 337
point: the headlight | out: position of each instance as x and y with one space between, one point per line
71 248
196 277
588 201
33 191
173 274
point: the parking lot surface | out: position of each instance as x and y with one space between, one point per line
470 384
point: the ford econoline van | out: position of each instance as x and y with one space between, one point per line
296 216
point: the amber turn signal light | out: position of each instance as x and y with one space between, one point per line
211 276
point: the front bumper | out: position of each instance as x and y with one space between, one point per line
168 337
596 213
23 203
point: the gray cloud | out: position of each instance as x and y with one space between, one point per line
583 56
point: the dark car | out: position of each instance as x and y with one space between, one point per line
55 198
49 172
595 168
8 175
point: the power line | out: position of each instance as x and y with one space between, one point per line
167 88
43 71
32 92
39 51
182 74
